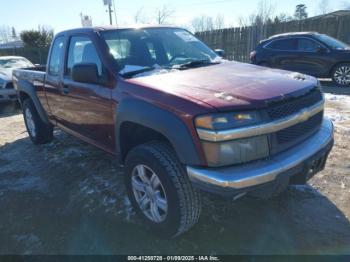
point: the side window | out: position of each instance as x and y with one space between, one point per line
55 56
307 45
82 50
283 45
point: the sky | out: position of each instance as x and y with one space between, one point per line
65 14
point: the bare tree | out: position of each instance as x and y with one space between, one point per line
219 22
282 17
324 7
263 15
139 17
163 14
346 5
5 34
202 23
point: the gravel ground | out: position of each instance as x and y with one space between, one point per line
68 198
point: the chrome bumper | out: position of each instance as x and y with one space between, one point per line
264 171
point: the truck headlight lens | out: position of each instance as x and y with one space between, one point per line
227 120
224 153
236 151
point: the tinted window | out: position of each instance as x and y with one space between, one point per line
286 44
56 56
332 42
82 50
307 45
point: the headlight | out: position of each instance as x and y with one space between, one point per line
224 153
227 120
2 82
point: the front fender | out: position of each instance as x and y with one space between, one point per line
161 121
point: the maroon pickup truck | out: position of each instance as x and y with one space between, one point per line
177 117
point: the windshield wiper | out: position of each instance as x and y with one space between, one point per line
194 63
138 71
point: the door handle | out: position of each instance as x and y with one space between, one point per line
65 90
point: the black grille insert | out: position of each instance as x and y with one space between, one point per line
293 106
300 130
289 137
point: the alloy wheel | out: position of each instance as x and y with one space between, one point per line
342 75
149 193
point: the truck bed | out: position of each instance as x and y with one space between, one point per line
30 74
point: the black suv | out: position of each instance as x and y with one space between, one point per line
310 53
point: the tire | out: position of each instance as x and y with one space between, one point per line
183 203
341 75
38 131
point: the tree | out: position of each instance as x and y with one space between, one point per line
300 12
263 15
5 34
163 14
202 23
14 34
219 22
40 38
324 7
139 17
282 17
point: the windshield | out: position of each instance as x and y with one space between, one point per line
139 50
333 43
15 63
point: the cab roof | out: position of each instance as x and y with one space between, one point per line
109 27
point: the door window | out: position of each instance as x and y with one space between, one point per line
56 56
82 50
283 45
307 45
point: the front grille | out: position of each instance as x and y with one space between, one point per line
293 135
299 130
9 86
293 106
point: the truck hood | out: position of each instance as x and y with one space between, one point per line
231 85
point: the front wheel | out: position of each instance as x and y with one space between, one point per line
160 190
341 75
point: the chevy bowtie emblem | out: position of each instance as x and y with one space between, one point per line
304 115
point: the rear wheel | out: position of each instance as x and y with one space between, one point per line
341 75
39 132
160 190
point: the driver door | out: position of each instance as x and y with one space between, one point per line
87 108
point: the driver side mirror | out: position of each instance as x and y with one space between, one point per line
220 52
85 73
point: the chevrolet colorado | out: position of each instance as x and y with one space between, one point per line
177 117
